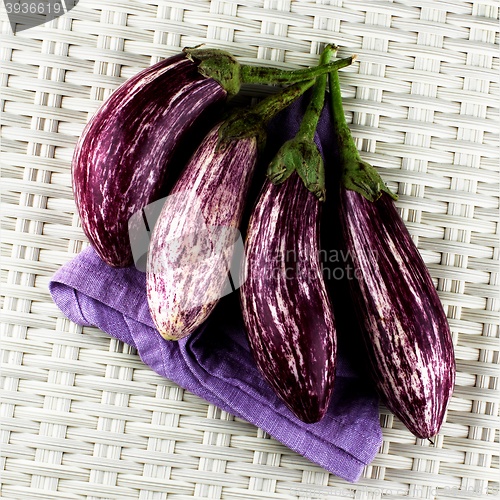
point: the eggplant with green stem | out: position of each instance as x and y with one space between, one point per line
286 307
403 323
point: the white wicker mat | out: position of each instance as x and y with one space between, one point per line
82 418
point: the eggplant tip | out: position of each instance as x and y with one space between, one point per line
170 337
310 418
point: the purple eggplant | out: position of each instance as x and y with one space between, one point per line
406 330
129 148
404 326
195 236
121 161
286 308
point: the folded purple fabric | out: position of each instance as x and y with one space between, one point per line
215 362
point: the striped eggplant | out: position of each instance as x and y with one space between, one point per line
131 146
406 333
195 235
406 330
193 239
286 308
124 155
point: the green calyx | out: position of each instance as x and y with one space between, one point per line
219 65
361 177
242 124
301 154
357 174
252 122
284 164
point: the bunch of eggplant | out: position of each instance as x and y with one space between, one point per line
134 147
167 131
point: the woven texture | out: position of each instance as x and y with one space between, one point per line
82 417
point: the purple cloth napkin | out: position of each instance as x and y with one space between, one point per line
215 362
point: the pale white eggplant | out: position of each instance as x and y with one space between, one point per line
192 242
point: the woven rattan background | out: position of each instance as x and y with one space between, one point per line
82 418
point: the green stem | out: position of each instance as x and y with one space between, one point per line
340 127
252 122
310 120
272 105
222 67
275 76
357 174
301 154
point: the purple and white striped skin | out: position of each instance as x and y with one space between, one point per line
124 156
406 332
192 242
286 307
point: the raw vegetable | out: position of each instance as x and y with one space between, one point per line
286 308
404 326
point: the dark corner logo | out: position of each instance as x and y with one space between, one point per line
26 14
